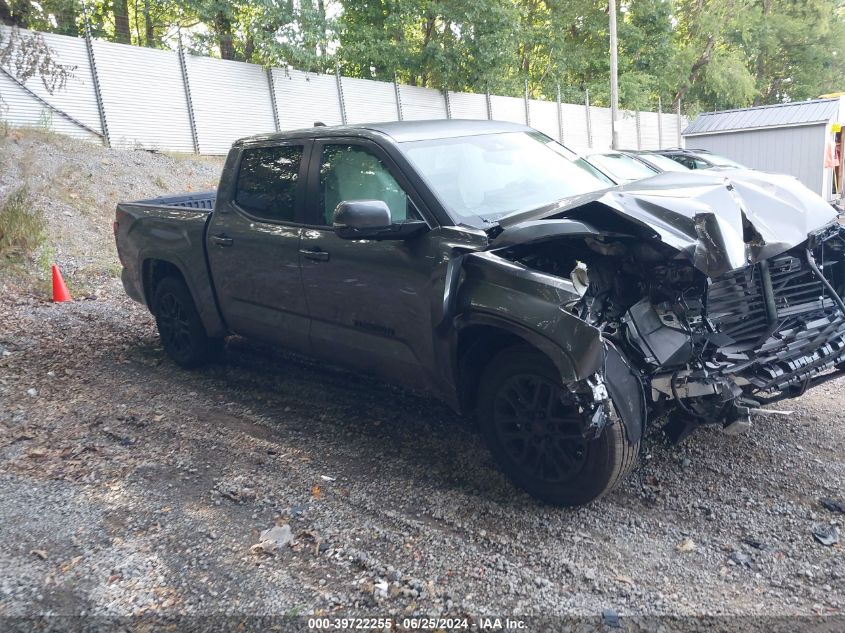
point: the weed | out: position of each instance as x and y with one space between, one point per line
22 228
46 256
45 120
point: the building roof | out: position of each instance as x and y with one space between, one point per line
780 115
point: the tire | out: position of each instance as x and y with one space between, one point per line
179 326
539 446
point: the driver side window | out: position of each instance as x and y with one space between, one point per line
351 172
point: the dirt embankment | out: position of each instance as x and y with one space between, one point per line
74 186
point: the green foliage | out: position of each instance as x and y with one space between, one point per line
439 44
22 229
706 53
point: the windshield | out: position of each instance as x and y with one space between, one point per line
621 167
487 176
665 163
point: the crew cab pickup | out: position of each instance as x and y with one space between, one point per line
480 262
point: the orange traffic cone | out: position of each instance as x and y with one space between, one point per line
60 291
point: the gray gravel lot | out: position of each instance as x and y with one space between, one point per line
129 486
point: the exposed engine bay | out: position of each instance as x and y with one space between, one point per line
708 349
693 336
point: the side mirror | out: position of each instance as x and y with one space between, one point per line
370 220
361 216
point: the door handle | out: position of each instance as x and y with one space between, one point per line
222 240
315 254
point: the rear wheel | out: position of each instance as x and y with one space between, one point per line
179 326
533 427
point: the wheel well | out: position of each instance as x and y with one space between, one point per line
154 271
477 345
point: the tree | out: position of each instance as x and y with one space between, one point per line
15 12
149 27
794 49
709 68
120 10
428 42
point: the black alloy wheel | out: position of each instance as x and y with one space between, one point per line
539 425
533 425
179 325
173 324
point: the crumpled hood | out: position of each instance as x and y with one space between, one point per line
720 220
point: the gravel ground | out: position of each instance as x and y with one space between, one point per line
129 486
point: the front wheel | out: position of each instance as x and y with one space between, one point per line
533 427
179 326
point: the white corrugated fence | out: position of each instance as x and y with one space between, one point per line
161 100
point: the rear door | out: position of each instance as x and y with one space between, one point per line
253 244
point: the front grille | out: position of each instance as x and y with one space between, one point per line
736 307
806 334
796 288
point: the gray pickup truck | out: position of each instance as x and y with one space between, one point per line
480 262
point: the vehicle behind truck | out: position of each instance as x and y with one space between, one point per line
476 261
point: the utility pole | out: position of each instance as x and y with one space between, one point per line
614 78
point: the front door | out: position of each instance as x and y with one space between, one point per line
253 246
369 301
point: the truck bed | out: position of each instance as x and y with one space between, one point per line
204 200
167 229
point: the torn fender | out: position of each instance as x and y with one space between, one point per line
495 291
720 221
529 304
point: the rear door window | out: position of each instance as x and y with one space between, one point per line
267 182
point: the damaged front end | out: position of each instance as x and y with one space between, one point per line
764 332
707 303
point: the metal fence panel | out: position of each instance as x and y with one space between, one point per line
369 101
20 109
145 102
144 97
670 130
231 100
574 119
508 109
649 130
602 137
468 105
76 99
669 133
422 103
627 129
543 115
304 98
